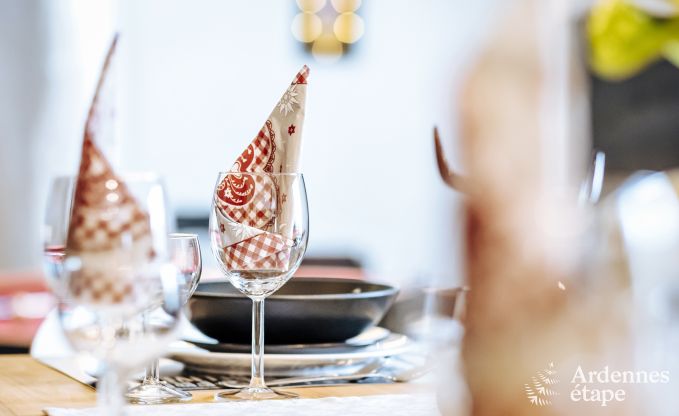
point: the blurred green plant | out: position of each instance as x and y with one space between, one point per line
624 39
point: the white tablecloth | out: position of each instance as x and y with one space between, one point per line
387 405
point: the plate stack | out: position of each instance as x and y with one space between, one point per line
313 327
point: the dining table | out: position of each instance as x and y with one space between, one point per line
28 386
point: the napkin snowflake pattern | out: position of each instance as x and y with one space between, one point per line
250 205
108 228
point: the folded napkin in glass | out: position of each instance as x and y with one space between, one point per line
248 206
388 405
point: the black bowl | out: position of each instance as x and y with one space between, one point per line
303 311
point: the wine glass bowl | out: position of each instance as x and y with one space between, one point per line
116 333
110 243
259 226
185 254
272 228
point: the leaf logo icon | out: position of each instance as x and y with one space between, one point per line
539 391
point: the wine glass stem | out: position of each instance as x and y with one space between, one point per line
257 379
110 399
152 373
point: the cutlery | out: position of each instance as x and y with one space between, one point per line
397 377
373 370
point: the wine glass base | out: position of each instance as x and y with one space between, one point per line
156 394
254 393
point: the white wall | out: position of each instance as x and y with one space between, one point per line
199 77
22 49
50 55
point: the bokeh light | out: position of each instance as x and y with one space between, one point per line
307 27
328 29
327 49
311 6
348 27
345 6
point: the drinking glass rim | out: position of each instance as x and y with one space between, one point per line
182 235
226 173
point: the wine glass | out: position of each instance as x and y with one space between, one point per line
55 228
114 270
440 332
258 230
184 252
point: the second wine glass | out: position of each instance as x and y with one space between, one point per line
184 253
259 230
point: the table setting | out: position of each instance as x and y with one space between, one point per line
235 231
128 290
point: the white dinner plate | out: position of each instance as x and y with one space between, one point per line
201 360
366 338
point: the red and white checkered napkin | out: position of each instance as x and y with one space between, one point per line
104 218
249 205
248 199
268 251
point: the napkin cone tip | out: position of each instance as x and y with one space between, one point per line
301 76
102 79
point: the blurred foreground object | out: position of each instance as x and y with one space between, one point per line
524 146
452 179
646 207
590 188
